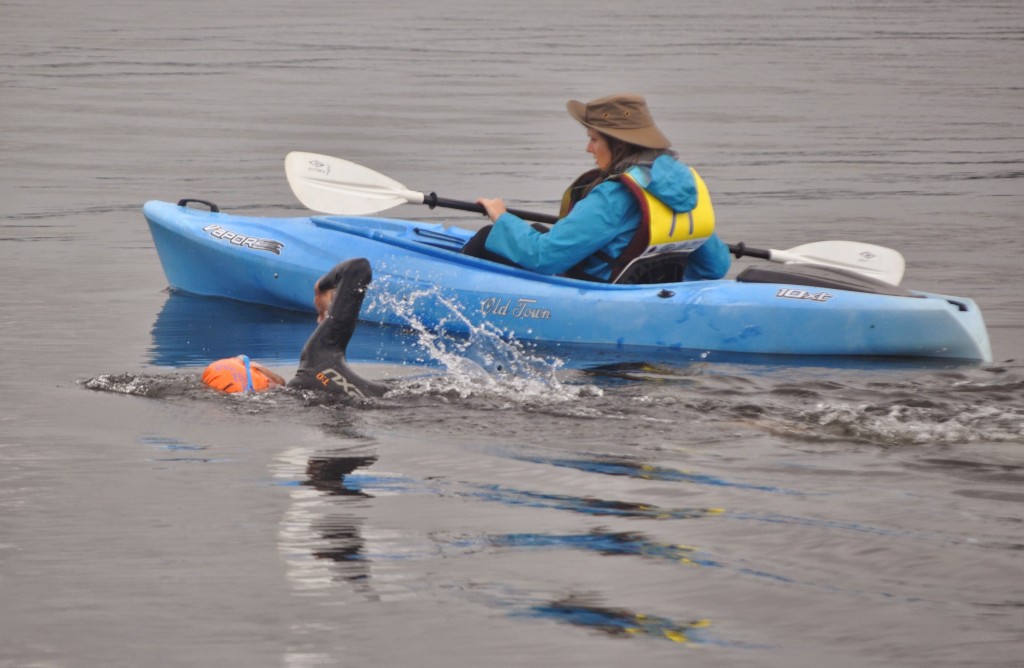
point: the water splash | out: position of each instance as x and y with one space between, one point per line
888 408
916 425
933 409
140 385
486 361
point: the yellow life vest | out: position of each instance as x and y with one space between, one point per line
661 229
668 230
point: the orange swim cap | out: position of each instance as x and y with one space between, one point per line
236 374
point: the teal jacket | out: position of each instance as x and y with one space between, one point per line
605 220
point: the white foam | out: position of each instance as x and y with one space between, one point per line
483 363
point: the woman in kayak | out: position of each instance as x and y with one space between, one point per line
601 212
338 297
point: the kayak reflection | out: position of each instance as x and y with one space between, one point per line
192 331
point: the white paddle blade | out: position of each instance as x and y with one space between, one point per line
879 262
337 186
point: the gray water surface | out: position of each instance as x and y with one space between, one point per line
656 513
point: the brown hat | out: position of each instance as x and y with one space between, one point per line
624 116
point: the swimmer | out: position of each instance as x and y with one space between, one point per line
338 296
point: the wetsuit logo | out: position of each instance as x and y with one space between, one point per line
244 241
328 376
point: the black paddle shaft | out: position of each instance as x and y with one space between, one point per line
432 200
741 249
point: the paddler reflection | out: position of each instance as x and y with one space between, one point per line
338 297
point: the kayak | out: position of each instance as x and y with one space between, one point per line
420 279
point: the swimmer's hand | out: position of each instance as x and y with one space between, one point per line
322 302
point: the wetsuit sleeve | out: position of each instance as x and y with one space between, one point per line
330 280
322 364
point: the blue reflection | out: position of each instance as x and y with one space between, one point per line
518 497
193 331
619 622
606 543
587 505
642 471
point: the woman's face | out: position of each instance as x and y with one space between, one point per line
598 147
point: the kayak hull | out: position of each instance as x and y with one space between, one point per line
421 279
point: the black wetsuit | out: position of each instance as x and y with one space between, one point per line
322 363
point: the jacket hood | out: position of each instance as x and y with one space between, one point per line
672 182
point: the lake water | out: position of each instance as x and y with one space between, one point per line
654 513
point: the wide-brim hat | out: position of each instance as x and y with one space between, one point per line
624 116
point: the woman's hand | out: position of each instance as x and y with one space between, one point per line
494 207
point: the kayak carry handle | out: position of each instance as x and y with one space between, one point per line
186 201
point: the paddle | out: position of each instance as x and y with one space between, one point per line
336 186
878 262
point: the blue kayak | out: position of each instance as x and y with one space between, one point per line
420 277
